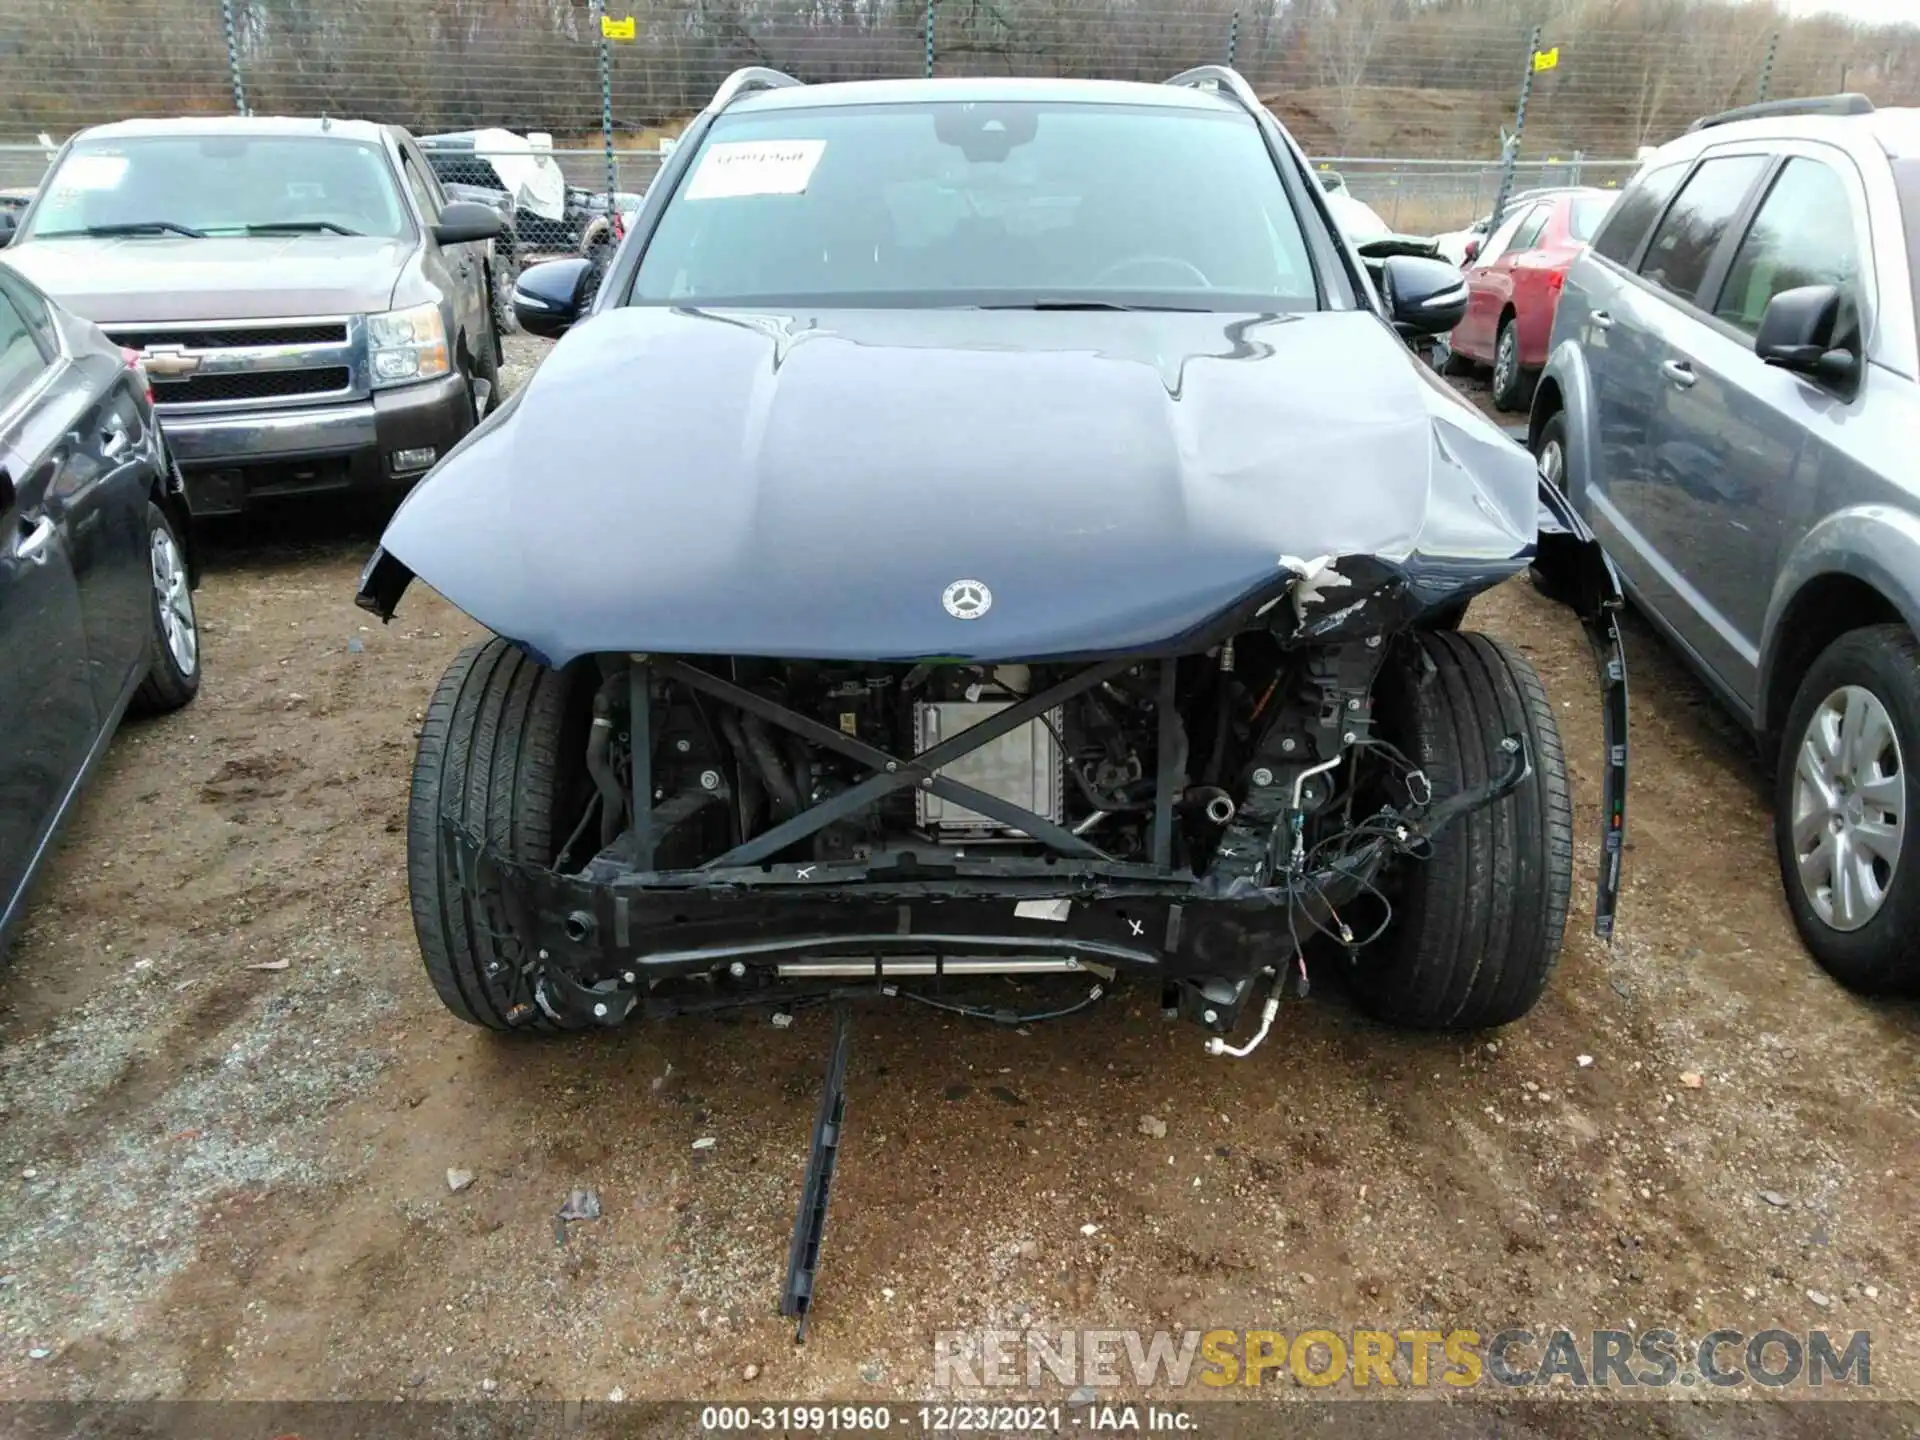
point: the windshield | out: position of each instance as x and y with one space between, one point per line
1587 213
956 203
222 185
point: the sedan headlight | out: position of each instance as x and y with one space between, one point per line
408 345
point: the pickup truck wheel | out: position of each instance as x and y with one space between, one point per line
1477 925
502 754
500 296
1512 383
486 366
1844 788
173 677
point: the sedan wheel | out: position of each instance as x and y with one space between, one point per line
1841 801
173 673
1849 803
1511 383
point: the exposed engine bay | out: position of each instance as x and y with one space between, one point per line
754 825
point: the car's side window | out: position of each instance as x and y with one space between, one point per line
22 361
34 309
1801 235
1683 245
423 193
1635 213
1529 235
1502 238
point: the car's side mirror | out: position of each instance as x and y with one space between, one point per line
7 226
1424 297
1471 249
548 298
465 220
1798 331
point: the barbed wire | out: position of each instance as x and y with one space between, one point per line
1348 77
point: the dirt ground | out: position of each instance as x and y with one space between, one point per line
229 1100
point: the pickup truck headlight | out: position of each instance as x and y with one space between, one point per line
408 345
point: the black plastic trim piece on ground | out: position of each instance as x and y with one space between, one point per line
1582 576
809 1226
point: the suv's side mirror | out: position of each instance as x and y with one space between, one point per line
7 225
1472 248
548 298
1798 331
1424 297
465 220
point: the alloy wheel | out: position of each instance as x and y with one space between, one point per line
1849 807
1505 359
173 602
1553 464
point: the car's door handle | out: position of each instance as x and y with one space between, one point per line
1679 372
1601 320
33 541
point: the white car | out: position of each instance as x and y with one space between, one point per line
1356 219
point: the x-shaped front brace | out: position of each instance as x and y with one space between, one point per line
891 772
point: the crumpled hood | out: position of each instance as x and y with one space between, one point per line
145 278
732 483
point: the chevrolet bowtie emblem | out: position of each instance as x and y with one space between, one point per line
168 362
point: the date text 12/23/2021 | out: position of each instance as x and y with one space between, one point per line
945 1419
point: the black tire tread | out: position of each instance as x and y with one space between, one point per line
1481 921
489 755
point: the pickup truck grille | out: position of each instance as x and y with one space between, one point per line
271 333
256 385
258 364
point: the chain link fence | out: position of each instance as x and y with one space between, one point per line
1415 105
1436 79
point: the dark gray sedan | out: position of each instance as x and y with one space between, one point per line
96 603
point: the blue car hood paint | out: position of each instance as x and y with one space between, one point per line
808 485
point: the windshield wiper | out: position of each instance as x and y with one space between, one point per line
1092 305
300 227
138 227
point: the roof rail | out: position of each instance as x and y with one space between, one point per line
751 77
1852 103
1220 78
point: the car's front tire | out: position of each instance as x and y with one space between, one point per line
1842 795
1477 925
173 669
502 755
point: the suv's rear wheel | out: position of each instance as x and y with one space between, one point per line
502 754
1477 925
1841 801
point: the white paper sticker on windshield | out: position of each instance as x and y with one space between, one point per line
735 168
93 172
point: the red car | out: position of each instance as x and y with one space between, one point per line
1513 285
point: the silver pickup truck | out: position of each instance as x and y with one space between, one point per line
311 311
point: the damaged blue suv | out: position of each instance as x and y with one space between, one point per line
990 528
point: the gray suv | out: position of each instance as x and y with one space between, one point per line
311 310
1732 401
